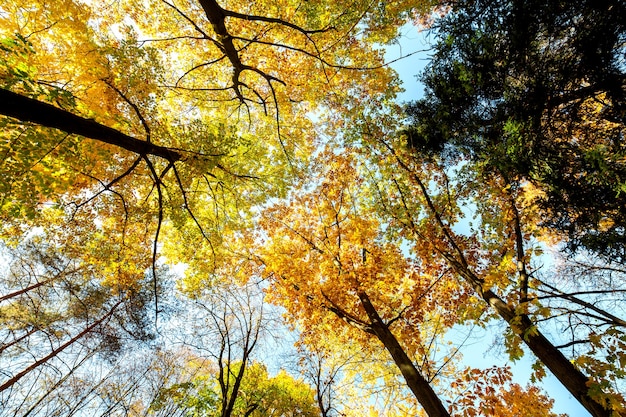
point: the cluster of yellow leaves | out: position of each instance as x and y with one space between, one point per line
347 371
116 252
67 65
244 117
65 52
198 391
292 57
327 245
489 392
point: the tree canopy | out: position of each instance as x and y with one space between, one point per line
535 89
189 187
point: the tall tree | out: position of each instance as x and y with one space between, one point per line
260 394
57 316
118 130
180 127
224 327
531 95
335 266
236 319
536 90
491 250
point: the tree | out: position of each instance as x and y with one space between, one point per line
493 257
237 321
58 315
260 394
530 94
336 266
119 135
228 323
342 273
106 122
535 90
125 139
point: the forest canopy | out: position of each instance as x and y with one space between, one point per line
221 208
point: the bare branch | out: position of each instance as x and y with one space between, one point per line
190 20
158 183
134 107
229 13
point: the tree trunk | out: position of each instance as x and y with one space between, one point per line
571 378
58 350
19 339
417 383
25 290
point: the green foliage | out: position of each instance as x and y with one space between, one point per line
15 68
260 395
18 72
196 398
535 90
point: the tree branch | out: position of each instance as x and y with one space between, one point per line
30 110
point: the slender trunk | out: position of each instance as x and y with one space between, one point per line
320 403
420 387
229 405
19 339
571 378
251 410
25 290
250 340
416 382
57 384
58 350
252 336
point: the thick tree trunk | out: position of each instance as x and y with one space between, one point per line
417 383
29 110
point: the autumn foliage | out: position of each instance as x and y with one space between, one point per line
162 160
